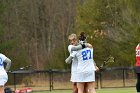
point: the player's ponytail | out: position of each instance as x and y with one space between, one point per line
82 36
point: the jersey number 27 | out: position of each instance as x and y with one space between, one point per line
1 63
86 54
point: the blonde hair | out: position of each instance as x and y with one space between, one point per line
72 36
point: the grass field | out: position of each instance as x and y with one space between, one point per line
112 90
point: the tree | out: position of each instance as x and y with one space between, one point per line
109 24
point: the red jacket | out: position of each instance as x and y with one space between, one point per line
138 55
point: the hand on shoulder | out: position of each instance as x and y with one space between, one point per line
89 45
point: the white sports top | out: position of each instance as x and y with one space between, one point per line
74 60
85 60
2 59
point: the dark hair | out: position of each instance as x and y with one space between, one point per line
82 36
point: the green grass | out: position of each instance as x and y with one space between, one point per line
111 90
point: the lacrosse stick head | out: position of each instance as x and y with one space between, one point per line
108 61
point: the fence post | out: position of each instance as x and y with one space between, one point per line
14 81
50 80
99 80
123 77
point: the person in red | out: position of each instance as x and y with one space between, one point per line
137 67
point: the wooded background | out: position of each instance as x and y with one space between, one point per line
34 32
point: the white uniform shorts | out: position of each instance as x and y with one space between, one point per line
73 77
3 79
86 77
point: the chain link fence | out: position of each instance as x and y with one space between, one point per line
48 80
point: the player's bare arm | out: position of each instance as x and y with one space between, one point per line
71 56
8 64
81 46
69 59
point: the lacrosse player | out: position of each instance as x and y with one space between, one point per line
137 67
73 40
3 74
85 73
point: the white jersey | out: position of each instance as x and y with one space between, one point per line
3 74
73 65
85 60
74 60
2 58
